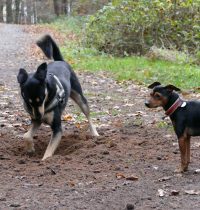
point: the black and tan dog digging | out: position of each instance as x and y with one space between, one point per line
45 94
185 117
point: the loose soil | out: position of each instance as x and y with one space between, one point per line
127 167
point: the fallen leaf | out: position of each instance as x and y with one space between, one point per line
132 178
165 178
78 125
155 167
67 117
120 176
192 192
97 171
197 171
129 178
161 192
174 192
53 172
71 183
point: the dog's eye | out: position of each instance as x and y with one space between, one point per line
38 100
157 96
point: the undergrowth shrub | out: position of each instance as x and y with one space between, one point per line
126 27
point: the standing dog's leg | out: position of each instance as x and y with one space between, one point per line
82 103
188 149
28 137
55 138
183 150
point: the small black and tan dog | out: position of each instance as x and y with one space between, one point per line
45 94
185 117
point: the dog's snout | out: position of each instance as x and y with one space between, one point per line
37 115
147 104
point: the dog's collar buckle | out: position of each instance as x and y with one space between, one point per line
183 104
178 103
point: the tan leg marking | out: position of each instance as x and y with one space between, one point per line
183 150
53 144
48 117
188 150
85 109
93 129
28 137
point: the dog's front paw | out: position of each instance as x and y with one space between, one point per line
95 133
178 170
30 147
29 143
181 169
93 130
46 156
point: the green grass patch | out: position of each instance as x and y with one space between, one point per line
81 117
143 70
68 24
140 69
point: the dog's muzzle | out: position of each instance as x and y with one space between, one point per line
37 114
147 104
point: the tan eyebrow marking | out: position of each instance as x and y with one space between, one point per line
157 94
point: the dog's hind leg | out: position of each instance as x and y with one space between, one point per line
28 137
55 139
82 103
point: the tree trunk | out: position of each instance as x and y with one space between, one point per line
56 7
9 17
64 6
29 11
35 11
17 4
1 11
22 13
69 7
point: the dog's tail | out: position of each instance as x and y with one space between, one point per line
50 48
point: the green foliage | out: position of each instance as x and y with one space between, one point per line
69 24
126 26
175 69
143 70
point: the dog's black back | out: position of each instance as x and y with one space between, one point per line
51 50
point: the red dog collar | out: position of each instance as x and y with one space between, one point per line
179 102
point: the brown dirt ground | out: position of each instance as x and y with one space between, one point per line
134 157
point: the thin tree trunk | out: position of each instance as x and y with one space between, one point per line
69 7
22 13
64 6
1 11
17 4
9 17
35 11
29 11
56 7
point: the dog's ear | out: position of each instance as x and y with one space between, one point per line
41 72
154 85
22 76
171 88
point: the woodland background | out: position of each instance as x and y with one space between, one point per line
145 39
37 11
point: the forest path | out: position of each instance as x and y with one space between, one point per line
132 160
14 46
